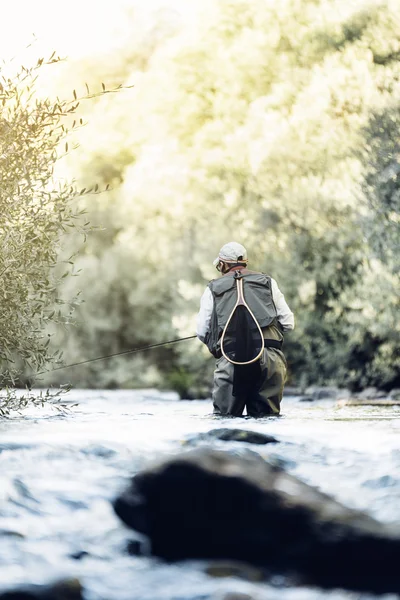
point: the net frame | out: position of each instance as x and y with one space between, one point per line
241 302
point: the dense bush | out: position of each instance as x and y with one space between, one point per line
38 209
35 212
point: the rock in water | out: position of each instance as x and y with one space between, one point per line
226 434
235 596
213 504
66 589
220 569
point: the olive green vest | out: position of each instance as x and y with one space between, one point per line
258 295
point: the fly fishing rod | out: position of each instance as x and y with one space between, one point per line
132 351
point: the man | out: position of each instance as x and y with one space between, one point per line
259 386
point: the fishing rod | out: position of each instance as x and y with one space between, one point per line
132 351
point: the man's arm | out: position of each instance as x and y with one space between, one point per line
285 315
204 316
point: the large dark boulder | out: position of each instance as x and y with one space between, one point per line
213 504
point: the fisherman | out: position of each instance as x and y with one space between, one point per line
257 386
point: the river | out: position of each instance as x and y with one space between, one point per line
59 472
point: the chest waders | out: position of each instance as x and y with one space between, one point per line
242 341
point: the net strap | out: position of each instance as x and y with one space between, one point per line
240 301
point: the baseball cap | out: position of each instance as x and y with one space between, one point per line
231 252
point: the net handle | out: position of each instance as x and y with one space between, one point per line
240 301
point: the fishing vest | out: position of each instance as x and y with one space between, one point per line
258 295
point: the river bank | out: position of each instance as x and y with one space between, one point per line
61 471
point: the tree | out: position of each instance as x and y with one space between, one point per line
37 210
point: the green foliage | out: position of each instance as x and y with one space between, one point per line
180 381
14 401
270 123
37 211
381 184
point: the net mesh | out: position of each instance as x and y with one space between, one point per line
242 341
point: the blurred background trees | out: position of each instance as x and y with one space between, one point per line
274 124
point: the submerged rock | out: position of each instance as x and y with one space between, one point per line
322 393
306 399
245 571
234 435
213 504
371 393
11 533
292 391
66 589
79 554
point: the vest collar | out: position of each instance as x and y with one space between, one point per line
235 268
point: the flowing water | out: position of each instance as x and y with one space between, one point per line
59 473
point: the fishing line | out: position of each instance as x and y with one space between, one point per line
90 360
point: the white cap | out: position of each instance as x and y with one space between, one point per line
231 252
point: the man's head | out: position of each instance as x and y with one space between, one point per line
230 255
